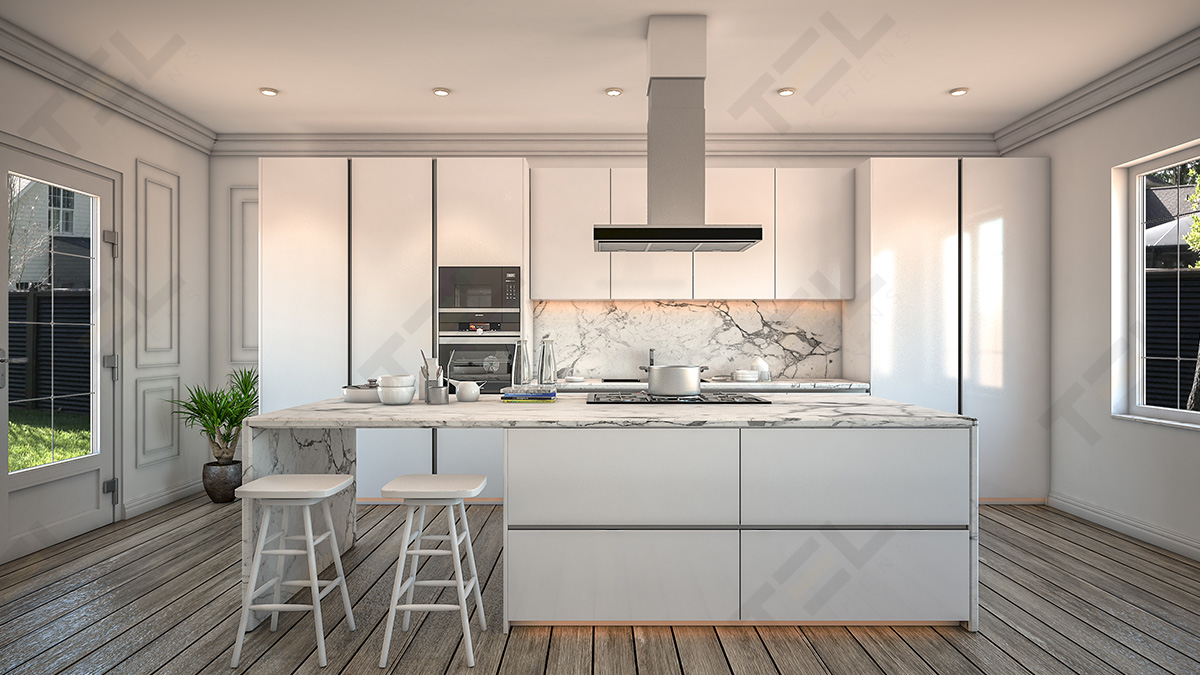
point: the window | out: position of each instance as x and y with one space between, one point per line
62 210
1166 288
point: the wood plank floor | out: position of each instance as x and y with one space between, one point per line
159 594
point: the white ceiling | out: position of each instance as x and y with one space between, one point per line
523 66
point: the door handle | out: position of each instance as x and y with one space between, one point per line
3 368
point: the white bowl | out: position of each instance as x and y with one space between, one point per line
360 395
745 376
398 381
397 395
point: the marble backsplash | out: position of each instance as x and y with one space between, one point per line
798 339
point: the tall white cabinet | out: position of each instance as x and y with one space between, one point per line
741 196
481 211
945 314
643 276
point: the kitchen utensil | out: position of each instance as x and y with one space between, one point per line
398 381
521 367
745 376
437 395
466 391
574 379
549 370
361 393
673 380
397 395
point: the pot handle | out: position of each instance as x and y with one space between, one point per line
703 368
645 368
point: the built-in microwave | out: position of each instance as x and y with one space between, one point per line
479 288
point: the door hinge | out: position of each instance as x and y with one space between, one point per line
110 486
112 361
112 237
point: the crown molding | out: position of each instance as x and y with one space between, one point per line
40 57
501 145
1162 63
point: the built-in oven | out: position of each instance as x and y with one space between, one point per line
479 323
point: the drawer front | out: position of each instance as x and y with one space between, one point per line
622 575
867 477
855 575
620 477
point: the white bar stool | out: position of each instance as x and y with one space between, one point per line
419 491
293 490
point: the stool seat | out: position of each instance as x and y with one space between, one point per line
435 486
295 486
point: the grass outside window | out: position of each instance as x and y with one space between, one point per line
33 441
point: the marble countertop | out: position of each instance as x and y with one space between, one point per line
774 386
571 410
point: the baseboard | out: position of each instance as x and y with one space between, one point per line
469 500
152 501
1138 529
1012 500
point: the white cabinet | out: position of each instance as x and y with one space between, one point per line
481 211
814 234
644 276
566 204
473 451
841 477
622 575
622 477
738 197
304 278
856 575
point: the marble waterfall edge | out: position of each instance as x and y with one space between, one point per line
798 339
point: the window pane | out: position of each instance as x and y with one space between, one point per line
1162 317
30 438
1162 382
1187 379
72 360
72 429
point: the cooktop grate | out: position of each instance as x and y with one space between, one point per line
643 397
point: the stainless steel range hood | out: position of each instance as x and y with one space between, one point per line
675 151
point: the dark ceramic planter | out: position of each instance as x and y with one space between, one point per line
220 480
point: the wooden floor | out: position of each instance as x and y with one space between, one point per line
159 594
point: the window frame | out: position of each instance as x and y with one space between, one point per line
1136 269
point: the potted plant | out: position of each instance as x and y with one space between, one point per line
219 413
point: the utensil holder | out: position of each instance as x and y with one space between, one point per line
435 395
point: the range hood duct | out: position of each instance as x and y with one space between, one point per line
675 152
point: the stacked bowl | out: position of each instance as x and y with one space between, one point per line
397 389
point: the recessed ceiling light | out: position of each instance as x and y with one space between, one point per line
613 91
441 91
786 91
267 91
958 91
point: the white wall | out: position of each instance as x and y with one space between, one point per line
161 460
1133 476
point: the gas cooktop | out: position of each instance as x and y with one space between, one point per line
643 397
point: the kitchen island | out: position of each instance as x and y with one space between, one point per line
820 508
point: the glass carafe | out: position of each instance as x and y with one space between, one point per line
522 366
549 371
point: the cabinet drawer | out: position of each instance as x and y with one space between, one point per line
618 477
855 575
621 575
821 477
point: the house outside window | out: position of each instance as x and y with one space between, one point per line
1166 289
61 210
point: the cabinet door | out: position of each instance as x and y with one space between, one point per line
304 276
383 454
856 575
644 276
662 477
566 204
814 234
622 575
859 477
1006 320
473 451
738 197
481 211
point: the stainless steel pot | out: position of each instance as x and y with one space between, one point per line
673 380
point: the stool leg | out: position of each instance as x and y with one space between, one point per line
391 620
248 592
458 585
416 560
337 564
316 588
471 564
279 566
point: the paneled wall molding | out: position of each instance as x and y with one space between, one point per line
243 266
157 261
1169 60
522 145
44 59
157 428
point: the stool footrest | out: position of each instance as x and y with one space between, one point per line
445 537
306 583
427 608
316 540
285 551
430 551
281 608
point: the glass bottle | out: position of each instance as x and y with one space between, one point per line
522 366
548 374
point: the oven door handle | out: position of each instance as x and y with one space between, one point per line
472 340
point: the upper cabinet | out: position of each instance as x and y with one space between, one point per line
644 276
738 197
481 211
566 203
814 234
